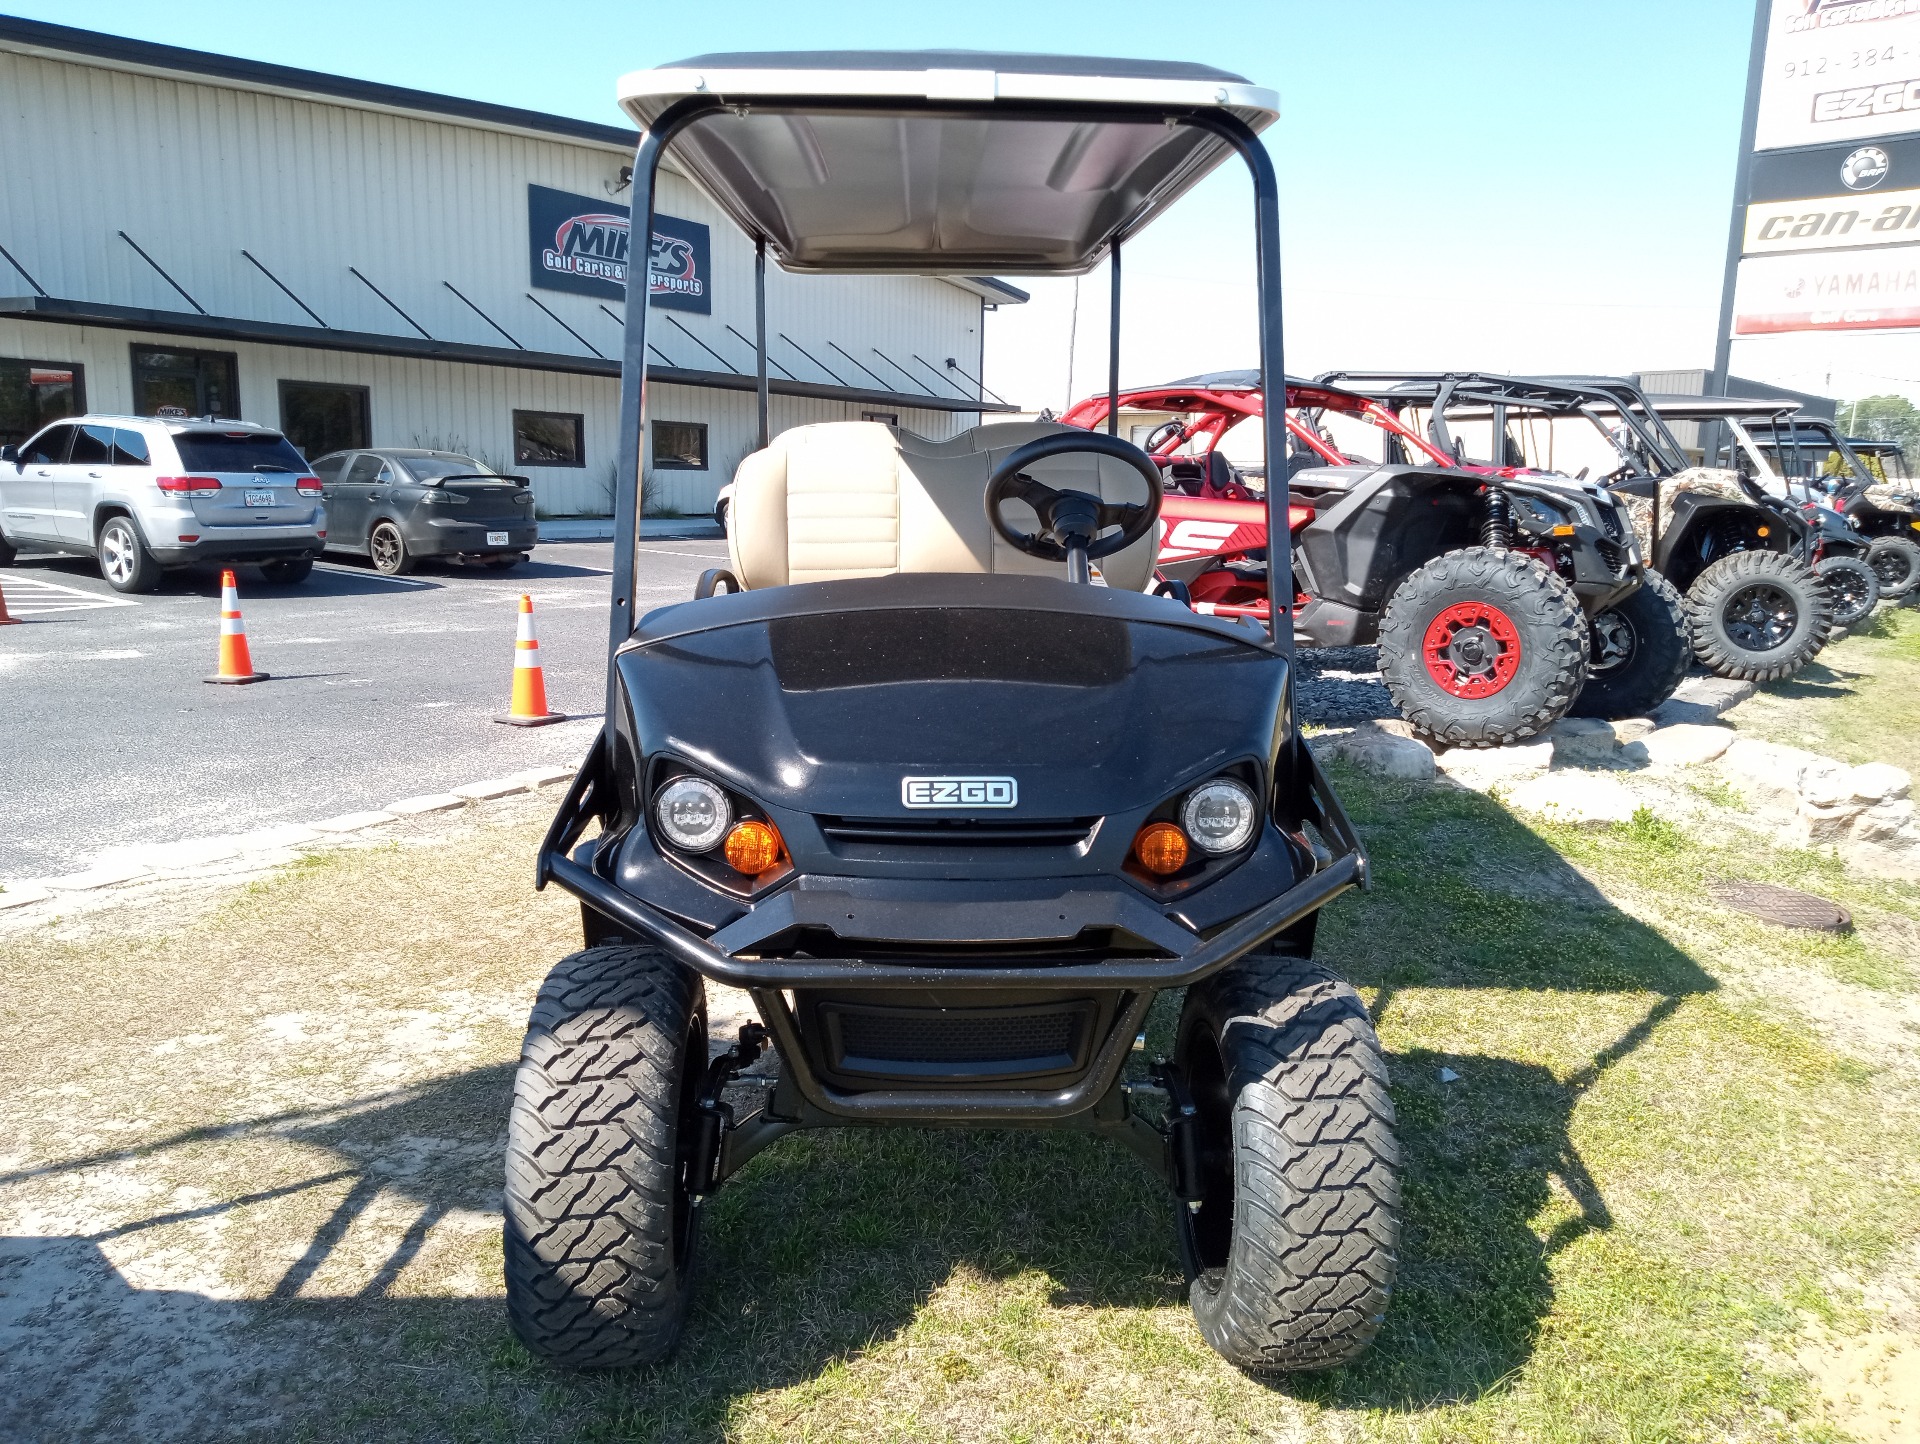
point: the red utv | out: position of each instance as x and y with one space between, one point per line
1479 589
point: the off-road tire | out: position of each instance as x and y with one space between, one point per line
388 550
1656 617
125 562
1552 636
7 552
1723 581
288 573
1298 1234
1895 560
599 1227
1852 586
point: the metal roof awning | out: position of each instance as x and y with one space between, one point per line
375 343
943 162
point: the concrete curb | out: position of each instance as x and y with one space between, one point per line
189 859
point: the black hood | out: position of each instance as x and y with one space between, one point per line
822 698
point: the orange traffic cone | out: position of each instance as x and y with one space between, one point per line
236 664
5 620
529 708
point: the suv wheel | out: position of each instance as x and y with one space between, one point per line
287 573
1853 586
1483 646
1296 1235
1896 561
389 550
124 559
1758 616
600 1223
1639 652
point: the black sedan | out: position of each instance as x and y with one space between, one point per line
397 506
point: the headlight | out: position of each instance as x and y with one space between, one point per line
693 813
1219 815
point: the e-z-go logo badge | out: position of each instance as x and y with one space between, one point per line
958 792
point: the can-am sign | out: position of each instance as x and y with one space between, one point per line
580 244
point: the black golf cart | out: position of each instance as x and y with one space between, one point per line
952 814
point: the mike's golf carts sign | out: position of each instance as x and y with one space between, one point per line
580 244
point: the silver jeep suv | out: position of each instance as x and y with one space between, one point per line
144 494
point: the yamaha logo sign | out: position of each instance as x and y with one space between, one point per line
958 792
579 244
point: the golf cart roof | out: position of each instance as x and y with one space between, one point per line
1716 408
943 162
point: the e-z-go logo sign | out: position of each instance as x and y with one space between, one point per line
578 244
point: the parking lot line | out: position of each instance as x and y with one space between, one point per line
32 597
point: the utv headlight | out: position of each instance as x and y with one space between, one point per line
693 814
1219 815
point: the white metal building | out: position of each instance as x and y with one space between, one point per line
364 265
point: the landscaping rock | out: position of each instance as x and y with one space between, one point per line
1481 769
19 894
1380 751
1685 744
1583 742
1769 774
1702 699
1589 798
1879 782
537 777
1631 729
1884 822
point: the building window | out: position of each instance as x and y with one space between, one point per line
548 438
680 445
320 418
194 383
32 393
890 418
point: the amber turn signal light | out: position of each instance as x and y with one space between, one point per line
753 847
1161 847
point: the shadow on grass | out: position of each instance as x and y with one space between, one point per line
831 1241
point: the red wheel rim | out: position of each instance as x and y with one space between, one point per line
1471 650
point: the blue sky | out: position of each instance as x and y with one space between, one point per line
1523 184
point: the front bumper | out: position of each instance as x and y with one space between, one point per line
1175 957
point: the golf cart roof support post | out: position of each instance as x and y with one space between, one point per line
1113 345
633 384
760 330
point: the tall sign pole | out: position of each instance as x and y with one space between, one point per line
1742 183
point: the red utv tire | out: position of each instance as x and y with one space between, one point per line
1482 647
1639 649
1758 616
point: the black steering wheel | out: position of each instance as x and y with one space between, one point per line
1071 522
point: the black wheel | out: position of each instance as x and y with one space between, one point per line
600 1226
1297 1233
124 559
1481 647
1896 561
1638 652
7 552
287 573
1852 585
720 515
389 550
1758 616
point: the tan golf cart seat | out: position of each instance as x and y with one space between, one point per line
840 499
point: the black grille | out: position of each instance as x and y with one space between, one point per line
1614 555
1610 518
958 1043
958 831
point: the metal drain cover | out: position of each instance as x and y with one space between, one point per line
1783 905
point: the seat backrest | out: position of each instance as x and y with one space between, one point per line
841 499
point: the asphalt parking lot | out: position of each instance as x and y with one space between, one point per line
382 688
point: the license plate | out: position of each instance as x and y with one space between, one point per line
496 538
260 498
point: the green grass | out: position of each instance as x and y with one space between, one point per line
1640 1194
1856 701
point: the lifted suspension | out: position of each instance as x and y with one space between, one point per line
1496 529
